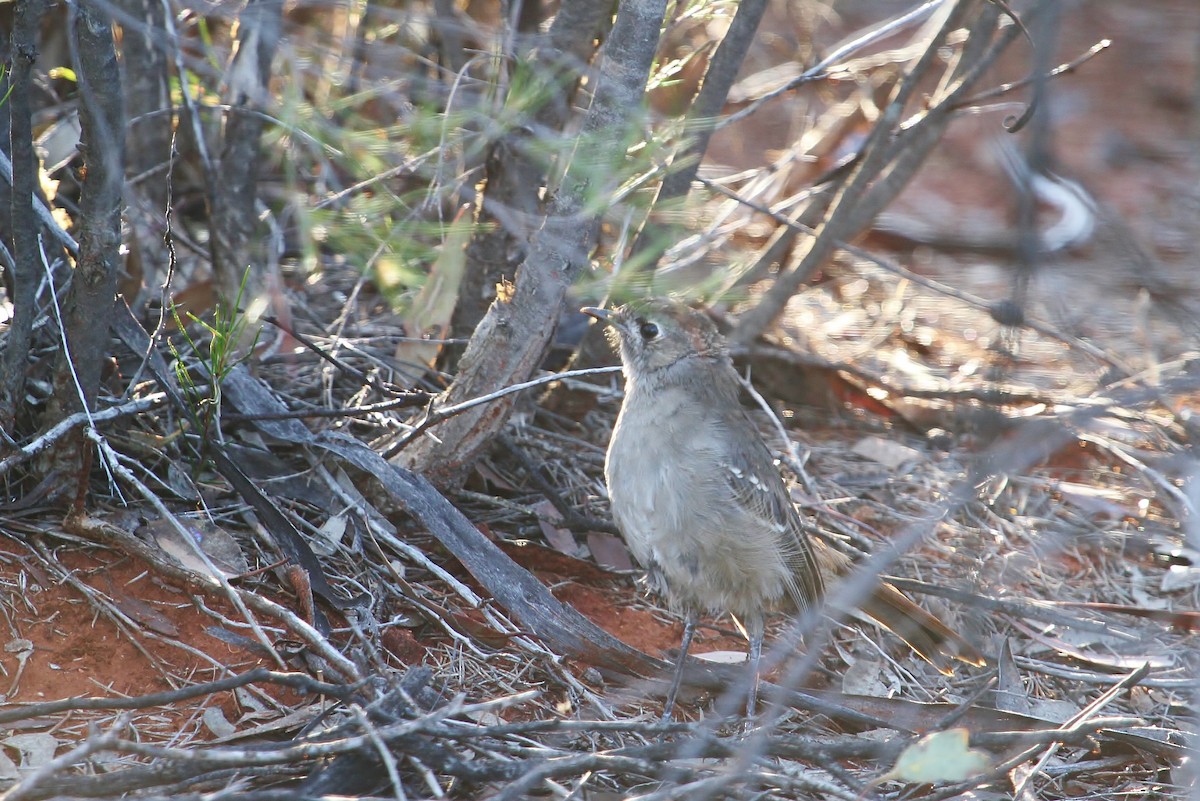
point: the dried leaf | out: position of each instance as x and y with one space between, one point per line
1057 710
58 145
180 482
1105 658
939 757
332 531
36 749
891 455
609 551
216 543
274 726
1099 502
862 678
216 722
723 657
1179 578
561 539
1010 694
19 645
144 613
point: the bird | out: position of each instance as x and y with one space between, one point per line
697 497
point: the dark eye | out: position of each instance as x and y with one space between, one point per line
648 331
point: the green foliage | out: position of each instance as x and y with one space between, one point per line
55 74
226 335
375 148
387 187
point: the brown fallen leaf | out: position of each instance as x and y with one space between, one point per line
609 551
561 539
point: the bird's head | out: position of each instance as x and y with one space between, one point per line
659 333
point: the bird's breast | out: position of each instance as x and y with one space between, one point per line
671 498
651 467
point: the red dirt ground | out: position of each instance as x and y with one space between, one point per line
76 651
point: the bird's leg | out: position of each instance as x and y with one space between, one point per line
756 641
689 628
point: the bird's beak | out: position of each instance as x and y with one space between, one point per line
603 315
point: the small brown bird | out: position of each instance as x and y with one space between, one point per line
700 503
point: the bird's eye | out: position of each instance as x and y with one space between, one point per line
648 331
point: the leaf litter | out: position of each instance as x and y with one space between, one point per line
432 657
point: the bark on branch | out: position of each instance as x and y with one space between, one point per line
234 180
87 307
23 281
510 341
511 206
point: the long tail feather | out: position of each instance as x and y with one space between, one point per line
933 640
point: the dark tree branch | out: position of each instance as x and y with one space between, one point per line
702 120
23 222
889 158
147 80
87 307
515 173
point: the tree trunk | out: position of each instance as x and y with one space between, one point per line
23 223
511 207
89 300
146 75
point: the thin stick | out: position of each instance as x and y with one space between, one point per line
434 417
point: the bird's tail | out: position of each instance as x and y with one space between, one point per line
933 640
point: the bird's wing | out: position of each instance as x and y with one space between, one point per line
759 490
